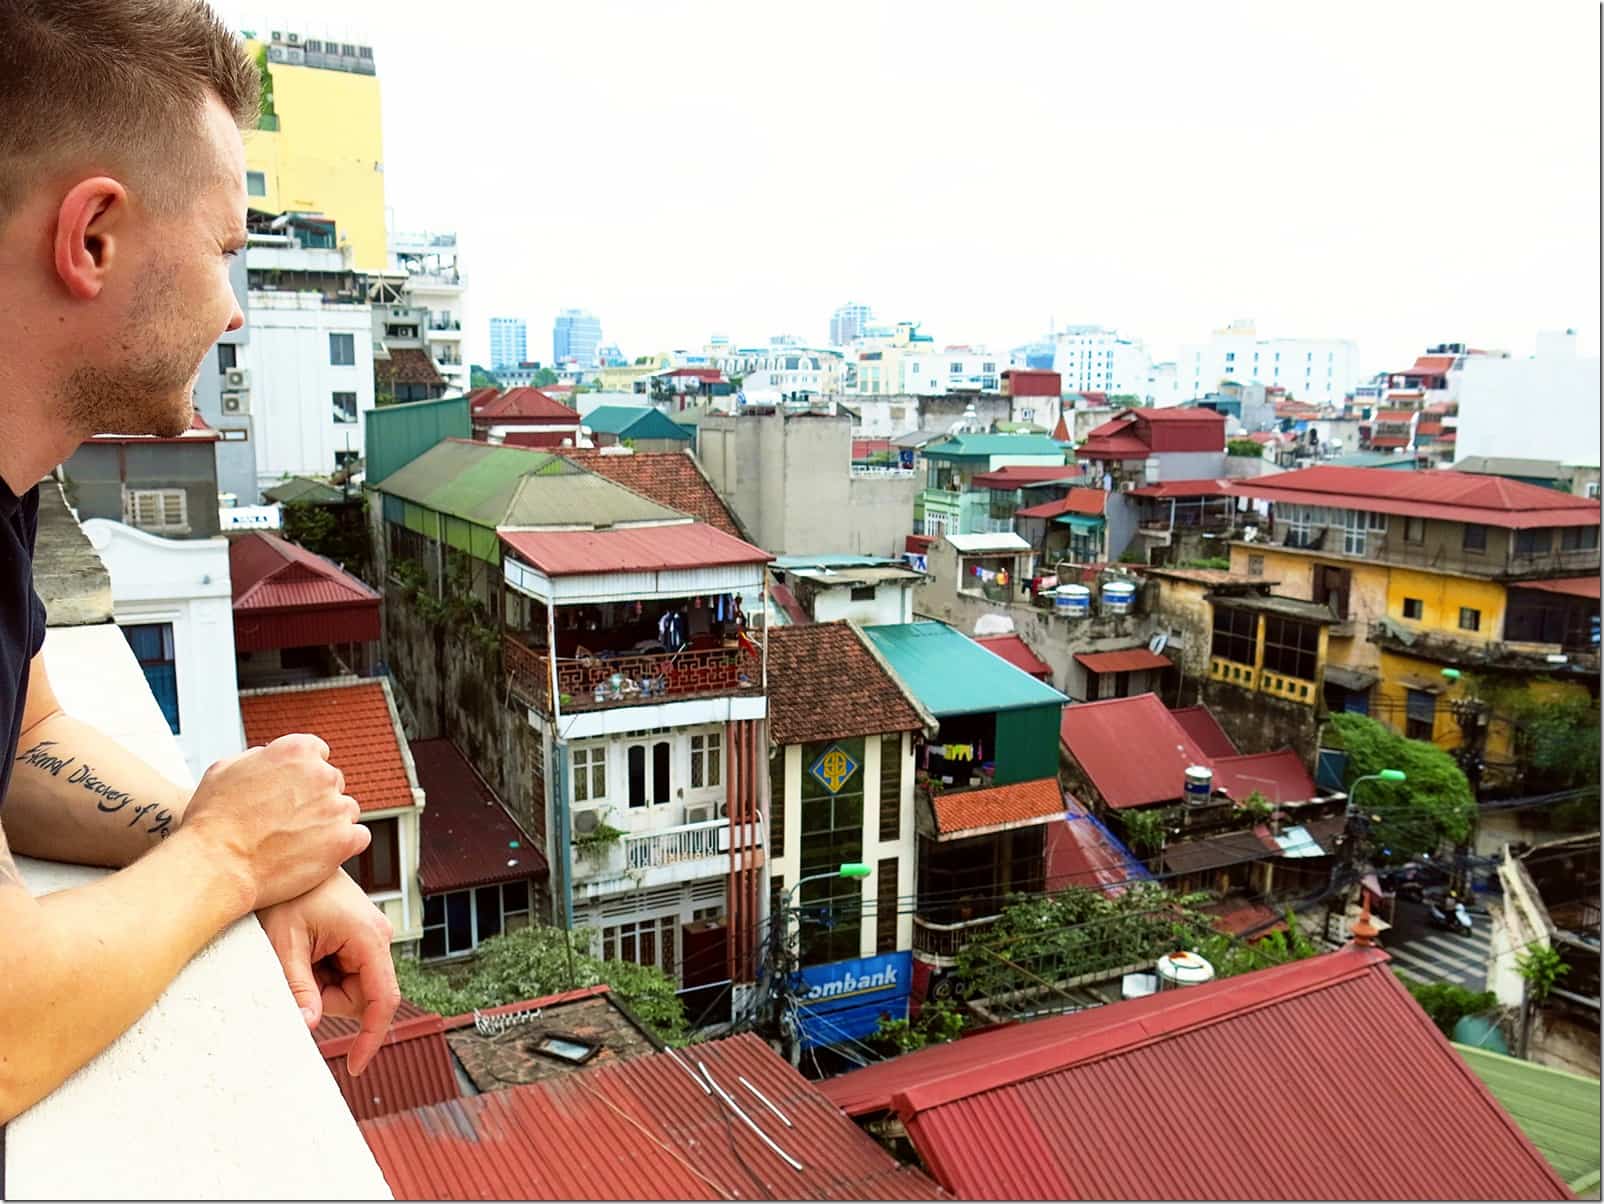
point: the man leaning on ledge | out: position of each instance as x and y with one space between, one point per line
122 200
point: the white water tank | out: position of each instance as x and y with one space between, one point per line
1183 969
1199 788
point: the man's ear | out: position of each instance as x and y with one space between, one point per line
91 217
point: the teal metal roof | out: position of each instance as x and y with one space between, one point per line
960 447
1559 1112
1373 460
634 422
950 674
834 560
396 435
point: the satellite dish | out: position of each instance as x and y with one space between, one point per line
994 625
1156 644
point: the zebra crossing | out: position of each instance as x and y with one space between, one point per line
1437 956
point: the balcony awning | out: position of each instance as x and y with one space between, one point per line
1125 660
1353 680
1081 522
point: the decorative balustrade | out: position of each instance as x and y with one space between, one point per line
945 940
591 682
688 842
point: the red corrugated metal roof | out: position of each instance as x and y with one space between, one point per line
631 549
270 573
1443 493
1020 476
412 1069
862 449
1261 1086
1205 730
467 838
353 720
1431 365
711 374
1389 440
1080 853
1576 587
973 811
1079 500
1118 447
1101 736
645 1129
528 405
1401 417
1017 653
1125 660
1279 776
1204 487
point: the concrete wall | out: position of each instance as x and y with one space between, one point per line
100 472
183 582
1243 467
879 514
892 603
1191 466
1256 721
1121 517
1543 408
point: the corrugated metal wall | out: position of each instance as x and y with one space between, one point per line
398 435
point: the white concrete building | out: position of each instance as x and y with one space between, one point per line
1091 359
1542 408
309 362
435 283
783 370
1315 370
172 599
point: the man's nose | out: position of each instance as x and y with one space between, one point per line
235 321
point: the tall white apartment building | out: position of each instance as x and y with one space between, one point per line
1091 359
435 284
308 367
1314 370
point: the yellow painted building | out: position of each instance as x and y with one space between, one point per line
321 150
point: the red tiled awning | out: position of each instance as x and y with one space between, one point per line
967 813
1126 660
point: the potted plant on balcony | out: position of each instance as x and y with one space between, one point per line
594 844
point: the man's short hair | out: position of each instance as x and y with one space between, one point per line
116 87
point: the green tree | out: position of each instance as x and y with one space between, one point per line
1541 967
1243 447
1145 827
1448 1003
1416 816
537 961
478 378
341 534
939 1021
544 377
1555 727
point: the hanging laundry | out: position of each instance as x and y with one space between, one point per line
1002 576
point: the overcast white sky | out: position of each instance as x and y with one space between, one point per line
1395 173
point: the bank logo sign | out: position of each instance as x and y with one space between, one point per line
834 768
846 999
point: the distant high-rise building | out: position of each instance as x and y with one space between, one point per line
1316 370
848 322
509 342
576 336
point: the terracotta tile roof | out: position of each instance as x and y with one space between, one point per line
467 838
1017 653
670 479
1398 416
499 1060
1114 1102
972 812
407 366
528 405
353 720
826 684
644 1129
413 1067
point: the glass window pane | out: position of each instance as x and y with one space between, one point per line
459 922
515 897
660 775
434 943
434 910
637 775
487 908
383 855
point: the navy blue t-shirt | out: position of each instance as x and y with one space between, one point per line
22 616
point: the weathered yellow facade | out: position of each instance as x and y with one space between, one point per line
326 156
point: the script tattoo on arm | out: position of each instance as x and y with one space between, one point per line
47 756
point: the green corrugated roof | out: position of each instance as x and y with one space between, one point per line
960 446
494 486
634 422
1558 1111
304 489
950 674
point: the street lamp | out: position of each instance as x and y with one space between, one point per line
847 869
1350 833
780 927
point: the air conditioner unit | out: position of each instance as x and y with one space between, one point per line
237 402
586 822
237 378
276 54
724 810
294 39
295 56
699 813
277 36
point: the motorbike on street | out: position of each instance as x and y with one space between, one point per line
1449 914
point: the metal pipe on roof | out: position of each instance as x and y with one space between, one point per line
750 1123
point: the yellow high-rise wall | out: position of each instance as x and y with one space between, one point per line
327 155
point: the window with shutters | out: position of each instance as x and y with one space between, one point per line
891 787
1420 714
707 752
777 804
154 649
161 510
885 906
590 772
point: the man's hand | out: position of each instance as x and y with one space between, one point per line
335 948
279 816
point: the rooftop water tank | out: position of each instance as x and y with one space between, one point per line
1118 597
1183 969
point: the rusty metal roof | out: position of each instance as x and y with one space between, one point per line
413 1067
645 1129
1261 1086
644 549
1123 660
467 838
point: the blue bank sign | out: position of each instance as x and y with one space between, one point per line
846 999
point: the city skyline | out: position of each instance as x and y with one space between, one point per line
1452 201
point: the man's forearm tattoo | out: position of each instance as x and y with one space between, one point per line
46 756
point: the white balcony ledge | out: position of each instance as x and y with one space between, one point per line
218 1091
